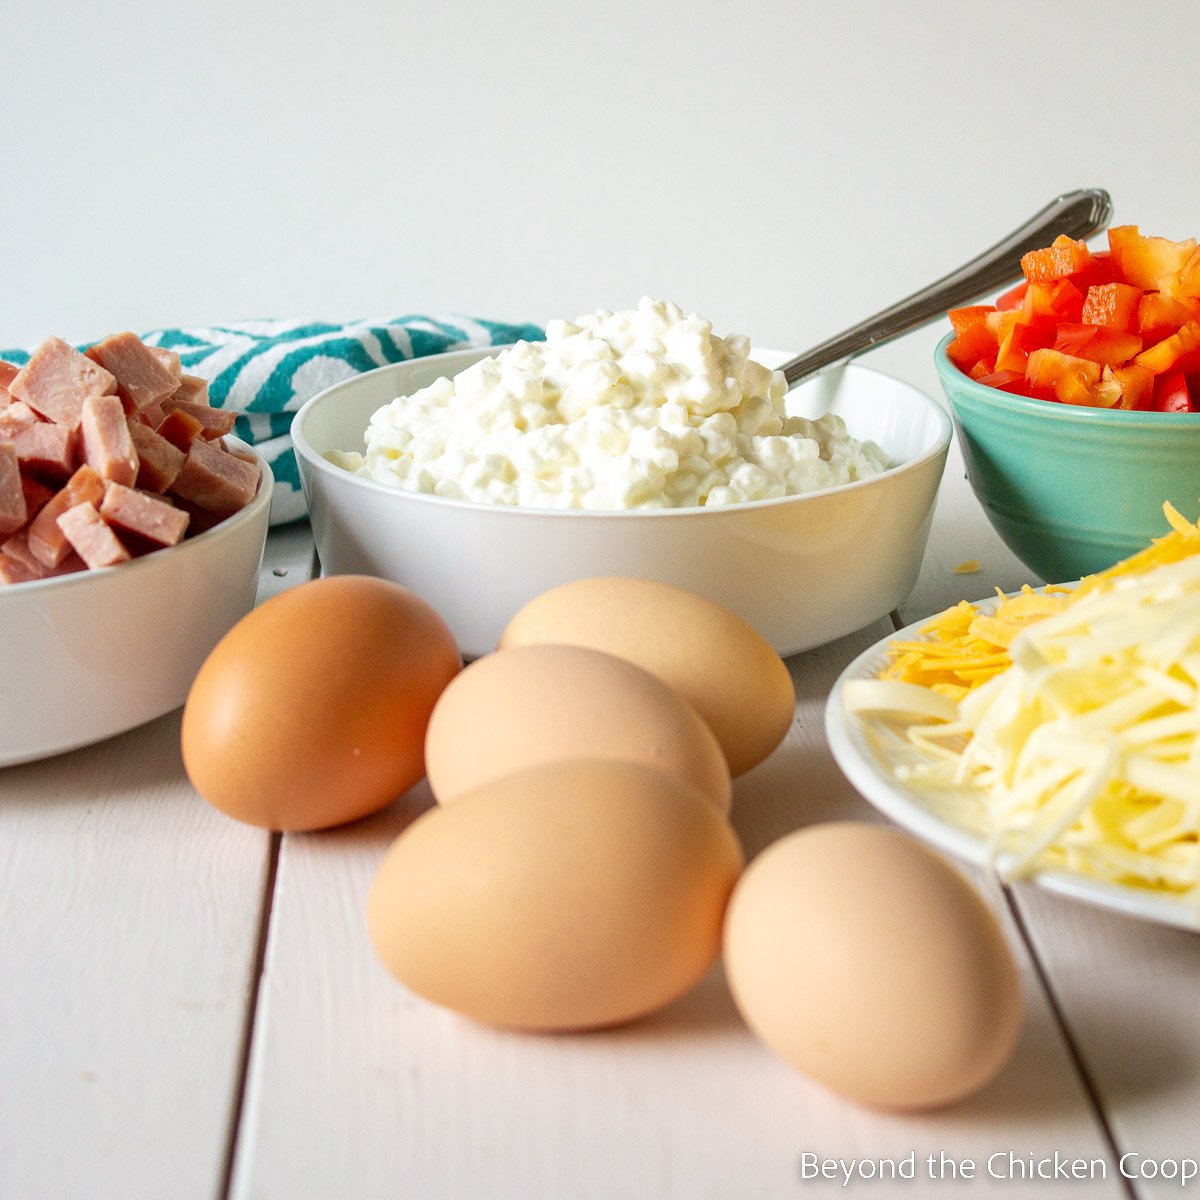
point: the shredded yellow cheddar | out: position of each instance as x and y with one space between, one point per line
967 647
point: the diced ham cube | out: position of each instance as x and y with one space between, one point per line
47 448
92 539
152 415
12 571
37 495
148 516
181 429
8 372
192 389
57 380
17 547
244 455
214 422
142 377
159 462
107 445
46 540
216 481
13 513
169 359
15 417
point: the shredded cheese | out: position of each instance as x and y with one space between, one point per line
1076 723
967 647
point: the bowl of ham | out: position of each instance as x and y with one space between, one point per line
132 529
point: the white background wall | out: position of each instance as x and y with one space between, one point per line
784 168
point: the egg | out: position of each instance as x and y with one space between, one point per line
312 710
872 965
571 896
706 653
540 704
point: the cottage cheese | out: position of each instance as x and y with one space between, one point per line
638 409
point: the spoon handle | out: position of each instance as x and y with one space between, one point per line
1077 214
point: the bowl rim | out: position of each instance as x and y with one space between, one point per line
262 499
1079 414
309 455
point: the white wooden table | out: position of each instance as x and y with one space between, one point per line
189 1008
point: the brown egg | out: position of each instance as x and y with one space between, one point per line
870 963
572 896
709 655
311 711
540 704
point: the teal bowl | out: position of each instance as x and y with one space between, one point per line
1071 490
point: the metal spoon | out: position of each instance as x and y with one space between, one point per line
1077 214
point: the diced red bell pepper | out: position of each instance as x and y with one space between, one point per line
1159 315
1064 256
1179 350
1077 387
1067 300
1148 262
1171 393
1047 367
1010 356
1188 283
1101 270
1013 297
963 318
1113 305
1060 300
1005 381
1116 329
1023 337
1001 321
1109 347
974 343
1107 393
1040 393
1070 338
1112 347
1137 386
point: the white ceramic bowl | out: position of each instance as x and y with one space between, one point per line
802 570
89 655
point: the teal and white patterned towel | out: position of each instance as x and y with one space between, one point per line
265 370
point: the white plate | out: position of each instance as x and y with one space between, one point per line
869 748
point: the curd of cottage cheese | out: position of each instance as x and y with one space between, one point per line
639 409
